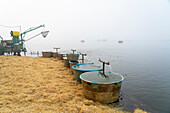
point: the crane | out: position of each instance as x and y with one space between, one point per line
16 45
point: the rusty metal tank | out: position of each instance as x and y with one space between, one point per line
79 61
72 56
47 54
66 62
60 56
81 68
54 54
103 88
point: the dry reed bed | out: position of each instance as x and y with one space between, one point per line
30 84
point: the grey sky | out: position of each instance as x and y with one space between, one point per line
90 19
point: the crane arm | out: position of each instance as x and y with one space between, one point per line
32 37
27 31
31 29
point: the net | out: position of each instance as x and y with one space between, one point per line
44 33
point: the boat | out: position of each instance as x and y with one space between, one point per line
120 41
82 41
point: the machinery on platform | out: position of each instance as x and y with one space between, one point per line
16 45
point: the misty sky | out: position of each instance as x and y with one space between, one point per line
89 19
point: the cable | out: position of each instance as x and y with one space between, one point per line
32 37
11 26
28 48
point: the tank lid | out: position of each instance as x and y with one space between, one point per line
72 54
65 58
81 61
98 77
46 51
87 67
73 61
61 53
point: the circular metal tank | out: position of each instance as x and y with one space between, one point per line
60 56
47 54
103 88
79 61
54 54
72 56
81 68
66 62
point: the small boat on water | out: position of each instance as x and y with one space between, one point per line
82 41
120 41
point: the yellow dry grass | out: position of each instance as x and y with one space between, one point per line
39 84
139 111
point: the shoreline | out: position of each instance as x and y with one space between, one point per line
45 85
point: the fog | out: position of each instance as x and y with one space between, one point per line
69 20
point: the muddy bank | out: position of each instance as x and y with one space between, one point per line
30 84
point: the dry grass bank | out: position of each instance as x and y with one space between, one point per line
43 84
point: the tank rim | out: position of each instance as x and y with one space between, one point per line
85 70
104 83
81 63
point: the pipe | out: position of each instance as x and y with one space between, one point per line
83 57
56 49
73 50
104 65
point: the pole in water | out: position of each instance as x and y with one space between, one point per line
56 49
73 50
37 53
104 65
83 57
